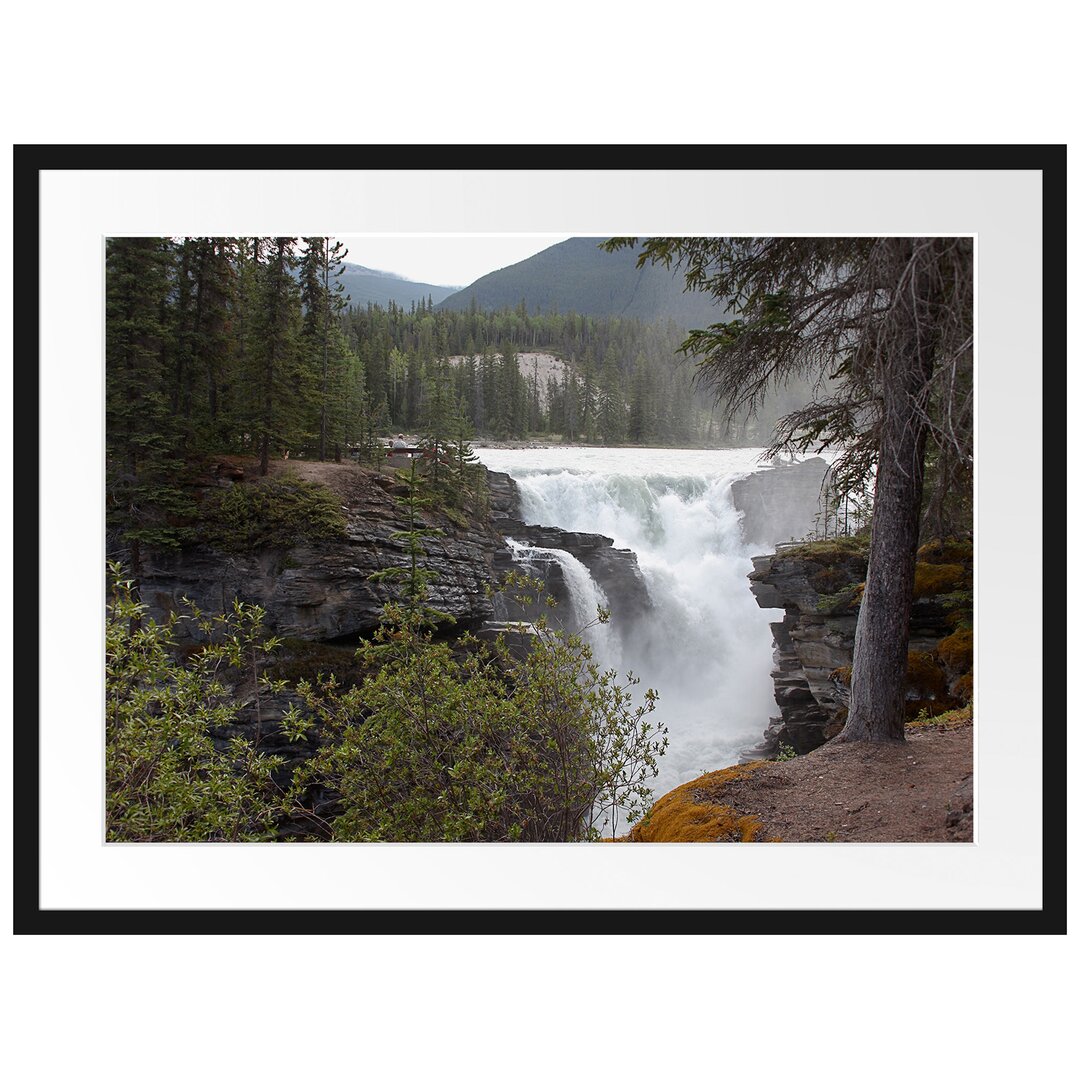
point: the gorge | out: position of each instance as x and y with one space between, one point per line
655 536
660 537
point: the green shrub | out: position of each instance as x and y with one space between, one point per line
525 739
844 602
274 512
165 778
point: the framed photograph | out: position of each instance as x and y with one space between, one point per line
770 436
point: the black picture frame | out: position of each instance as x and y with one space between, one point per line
31 160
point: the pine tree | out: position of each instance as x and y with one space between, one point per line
588 397
440 419
142 455
278 379
610 408
887 326
323 298
642 419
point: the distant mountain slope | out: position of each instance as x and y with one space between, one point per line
577 276
366 286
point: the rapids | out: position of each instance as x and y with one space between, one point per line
706 647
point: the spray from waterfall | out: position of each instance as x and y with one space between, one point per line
706 646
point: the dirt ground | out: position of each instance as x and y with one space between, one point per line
916 792
344 477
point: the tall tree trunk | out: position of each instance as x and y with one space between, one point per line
879 664
325 345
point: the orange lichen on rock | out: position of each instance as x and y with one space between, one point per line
946 551
964 688
692 813
933 579
956 651
925 675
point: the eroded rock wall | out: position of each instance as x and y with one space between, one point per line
780 504
614 569
324 592
819 588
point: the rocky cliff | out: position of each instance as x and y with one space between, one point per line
819 587
322 591
614 569
781 503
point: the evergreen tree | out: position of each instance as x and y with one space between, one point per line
588 397
440 419
572 407
323 298
508 409
888 324
610 409
278 380
642 418
142 458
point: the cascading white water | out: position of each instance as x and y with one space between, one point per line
706 646
585 596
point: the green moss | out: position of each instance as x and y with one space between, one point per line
829 551
949 718
273 512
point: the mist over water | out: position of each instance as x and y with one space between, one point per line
706 646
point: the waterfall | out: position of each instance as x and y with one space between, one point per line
585 596
706 646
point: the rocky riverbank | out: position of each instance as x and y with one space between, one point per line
819 587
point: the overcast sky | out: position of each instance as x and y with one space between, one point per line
444 259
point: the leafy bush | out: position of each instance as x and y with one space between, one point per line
165 779
522 739
525 739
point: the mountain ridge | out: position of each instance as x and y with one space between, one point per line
576 275
366 285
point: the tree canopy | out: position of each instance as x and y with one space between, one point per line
883 329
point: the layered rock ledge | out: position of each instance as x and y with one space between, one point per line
614 569
323 591
819 588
